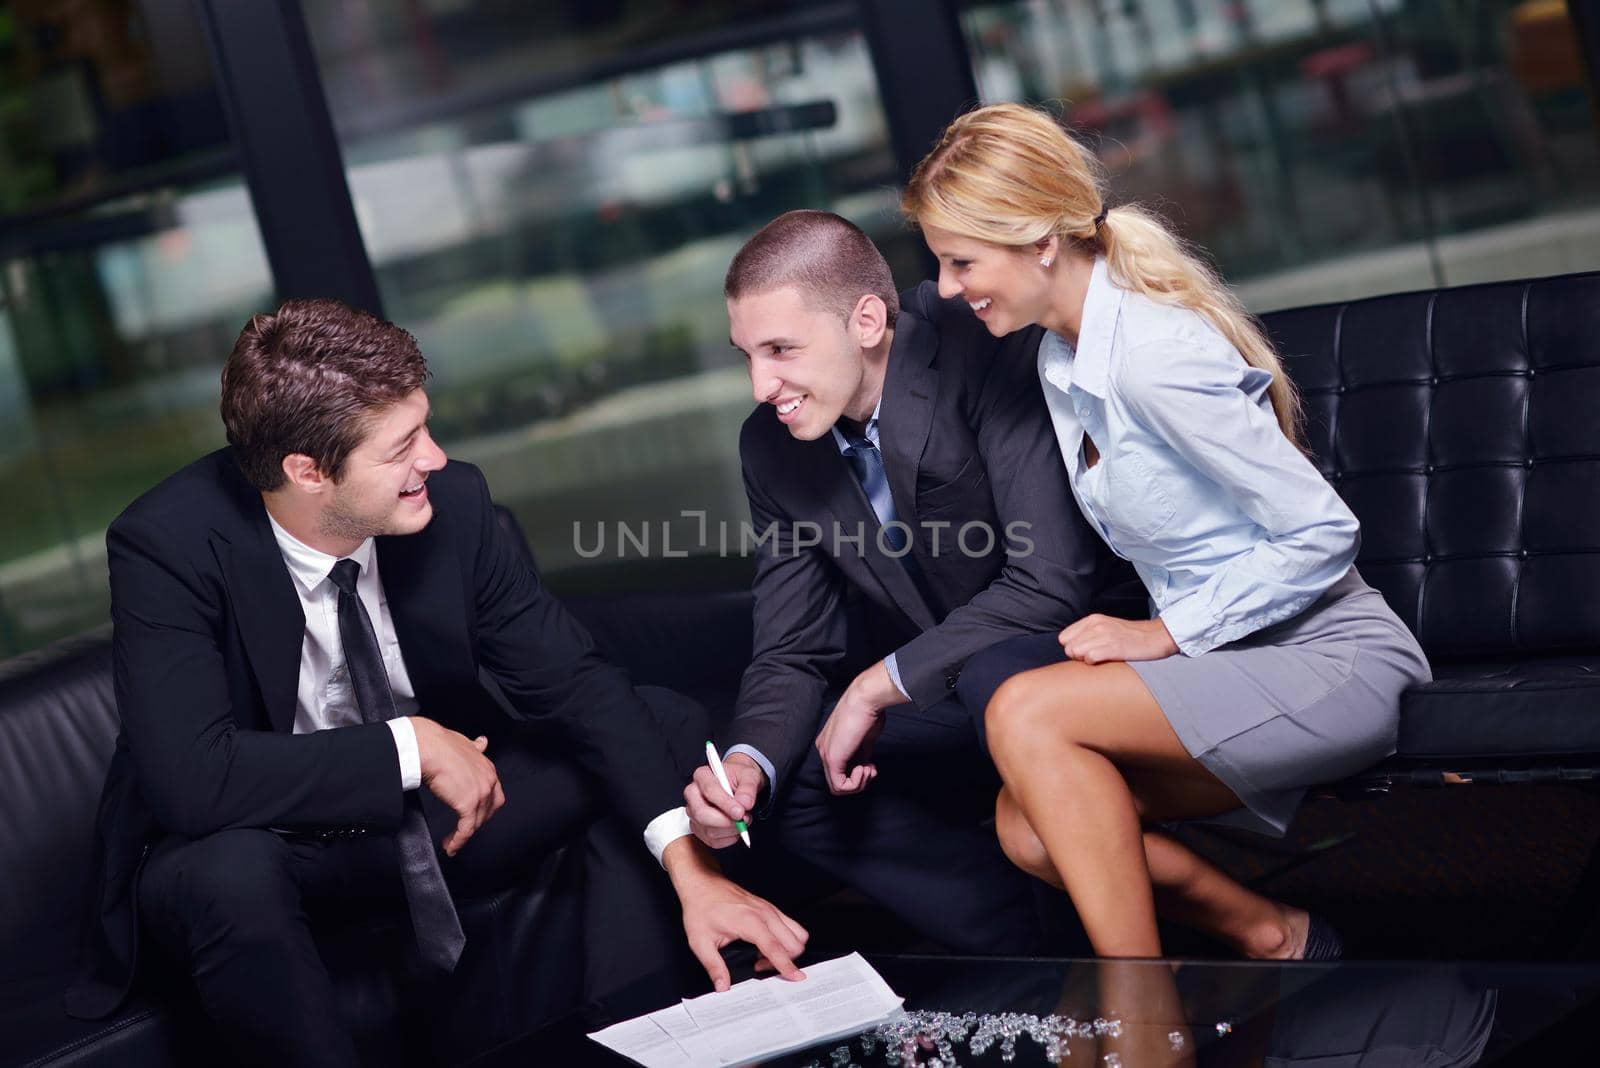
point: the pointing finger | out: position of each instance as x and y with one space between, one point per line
784 963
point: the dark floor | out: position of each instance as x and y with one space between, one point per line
1463 872
1452 873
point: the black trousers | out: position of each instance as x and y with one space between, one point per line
237 909
918 840
986 671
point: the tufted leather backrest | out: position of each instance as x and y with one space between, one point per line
1463 428
58 726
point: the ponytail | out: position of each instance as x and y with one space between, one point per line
1010 175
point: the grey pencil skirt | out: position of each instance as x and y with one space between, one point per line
1306 701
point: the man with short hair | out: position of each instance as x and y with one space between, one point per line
301 624
911 508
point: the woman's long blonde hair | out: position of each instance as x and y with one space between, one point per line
1010 175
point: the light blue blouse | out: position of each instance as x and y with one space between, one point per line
1229 525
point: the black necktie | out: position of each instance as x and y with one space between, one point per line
433 915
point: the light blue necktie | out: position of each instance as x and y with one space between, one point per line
867 461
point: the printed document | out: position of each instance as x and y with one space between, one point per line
758 1018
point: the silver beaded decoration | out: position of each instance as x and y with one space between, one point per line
925 1039
910 1038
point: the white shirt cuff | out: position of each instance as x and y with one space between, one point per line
666 829
405 743
894 675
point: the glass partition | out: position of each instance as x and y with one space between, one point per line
1325 149
557 242
129 258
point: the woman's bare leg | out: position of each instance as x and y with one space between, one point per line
1087 754
1197 894
1187 888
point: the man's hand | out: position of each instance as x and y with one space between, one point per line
852 727
1099 639
455 769
717 911
711 811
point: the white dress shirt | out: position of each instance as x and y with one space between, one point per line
325 698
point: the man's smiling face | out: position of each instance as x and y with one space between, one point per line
383 488
803 361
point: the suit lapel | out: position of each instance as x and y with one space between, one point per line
848 510
271 624
427 604
903 420
906 417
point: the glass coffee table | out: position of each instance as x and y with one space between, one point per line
1142 1014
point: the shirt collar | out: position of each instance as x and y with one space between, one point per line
1090 360
871 430
311 566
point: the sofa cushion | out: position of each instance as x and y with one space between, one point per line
146 1033
1544 708
697 644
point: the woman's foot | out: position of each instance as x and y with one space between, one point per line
1297 935
1281 937
1299 925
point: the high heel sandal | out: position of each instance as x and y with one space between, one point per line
1322 941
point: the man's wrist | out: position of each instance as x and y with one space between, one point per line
876 687
687 862
768 772
746 760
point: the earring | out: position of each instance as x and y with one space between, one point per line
1045 261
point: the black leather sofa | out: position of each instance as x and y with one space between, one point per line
1461 425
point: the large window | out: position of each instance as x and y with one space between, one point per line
1326 149
129 259
548 195
552 216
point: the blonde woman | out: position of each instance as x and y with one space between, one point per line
1268 665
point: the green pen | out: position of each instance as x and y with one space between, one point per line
722 777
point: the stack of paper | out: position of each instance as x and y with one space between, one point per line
758 1018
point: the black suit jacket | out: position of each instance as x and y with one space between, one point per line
966 438
207 632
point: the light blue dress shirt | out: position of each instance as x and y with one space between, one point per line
883 507
1229 526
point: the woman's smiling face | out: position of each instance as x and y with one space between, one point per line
1005 287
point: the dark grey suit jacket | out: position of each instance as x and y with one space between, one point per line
966 438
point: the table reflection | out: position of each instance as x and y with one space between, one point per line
1153 1014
